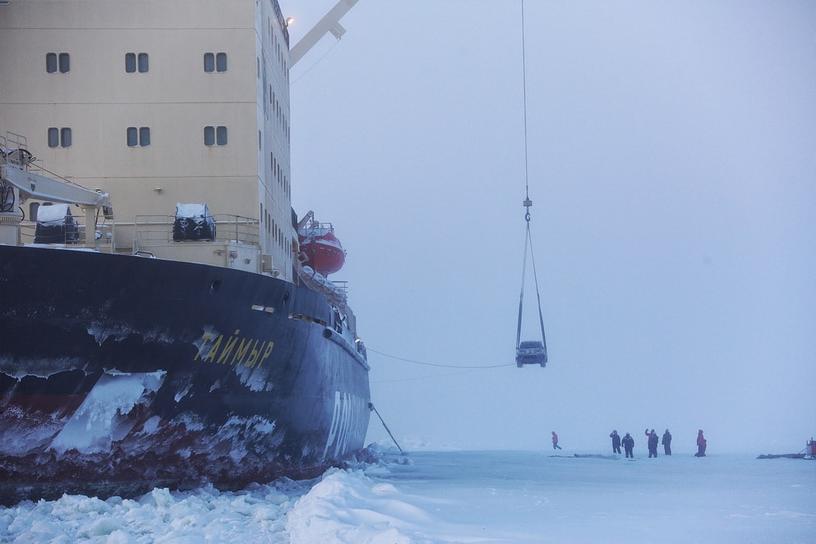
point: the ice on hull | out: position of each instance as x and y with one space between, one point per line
129 373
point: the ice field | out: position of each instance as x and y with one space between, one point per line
462 497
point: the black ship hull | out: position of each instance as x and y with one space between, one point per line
121 373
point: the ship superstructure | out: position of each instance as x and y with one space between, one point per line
157 103
162 323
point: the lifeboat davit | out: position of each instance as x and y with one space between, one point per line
321 248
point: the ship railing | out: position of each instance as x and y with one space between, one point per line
157 230
317 226
341 285
12 140
71 237
15 151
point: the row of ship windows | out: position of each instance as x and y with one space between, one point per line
272 228
134 62
279 49
277 171
278 174
279 113
62 137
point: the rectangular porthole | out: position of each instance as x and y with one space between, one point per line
221 135
144 136
65 137
144 64
53 137
221 62
64 62
209 62
51 62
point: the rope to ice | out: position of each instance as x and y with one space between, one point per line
436 364
374 409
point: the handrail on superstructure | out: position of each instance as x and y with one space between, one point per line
155 230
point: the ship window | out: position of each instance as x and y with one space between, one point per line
131 65
32 210
260 204
221 135
144 64
215 135
221 62
64 62
53 137
259 140
209 62
132 137
51 62
144 136
65 137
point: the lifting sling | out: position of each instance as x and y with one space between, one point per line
539 355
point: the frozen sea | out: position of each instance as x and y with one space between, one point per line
463 496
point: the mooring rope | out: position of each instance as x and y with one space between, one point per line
374 409
436 364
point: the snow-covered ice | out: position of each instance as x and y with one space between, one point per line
444 497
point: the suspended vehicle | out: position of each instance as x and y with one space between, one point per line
528 352
531 352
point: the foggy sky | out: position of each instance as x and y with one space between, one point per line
673 174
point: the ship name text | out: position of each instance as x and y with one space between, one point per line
233 350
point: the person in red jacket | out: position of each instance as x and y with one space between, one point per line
701 444
555 441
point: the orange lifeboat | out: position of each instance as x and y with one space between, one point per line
320 248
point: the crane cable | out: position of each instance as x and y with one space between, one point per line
524 100
528 243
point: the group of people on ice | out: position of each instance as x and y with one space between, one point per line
628 443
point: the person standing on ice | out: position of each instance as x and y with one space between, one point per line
701 444
616 443
666 441
628 445
651 437
555 441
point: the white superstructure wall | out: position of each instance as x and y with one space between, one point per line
100 67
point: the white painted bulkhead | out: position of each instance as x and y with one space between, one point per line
175 98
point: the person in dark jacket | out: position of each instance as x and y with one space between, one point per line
666 441
615 442
701 444
652 442
628 445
